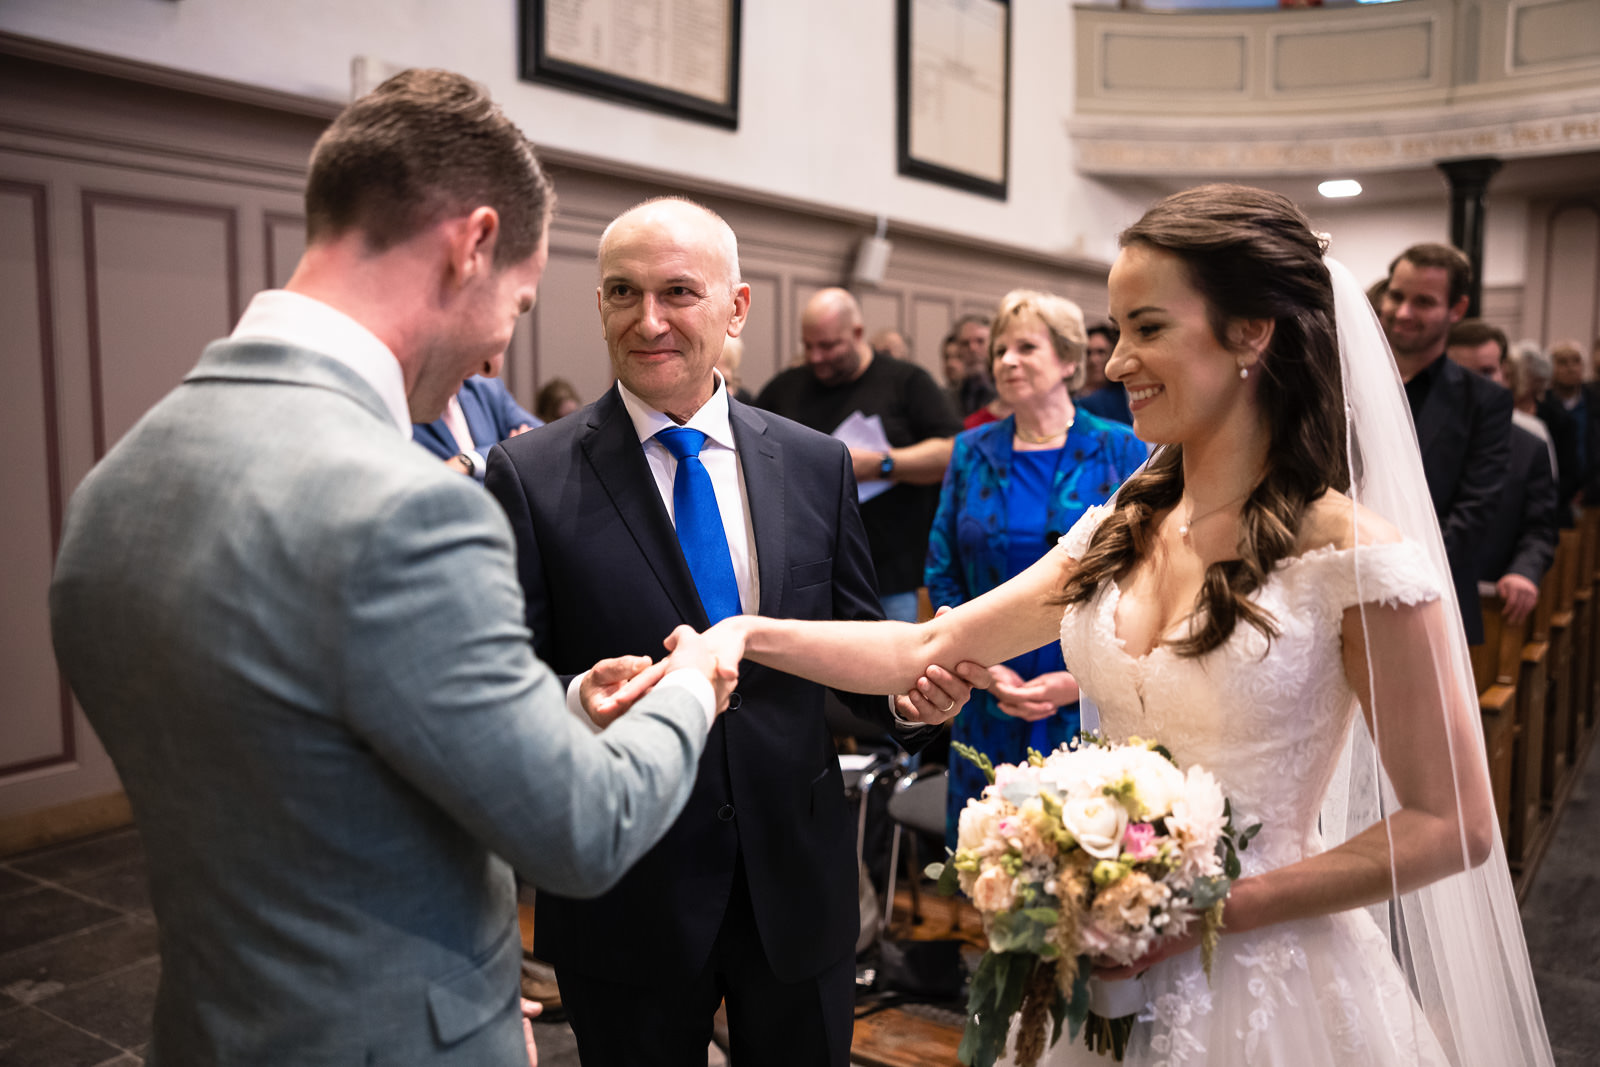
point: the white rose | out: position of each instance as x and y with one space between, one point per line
978 825
1097 822
1158 784
1197 816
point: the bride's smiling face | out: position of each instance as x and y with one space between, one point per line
1182 381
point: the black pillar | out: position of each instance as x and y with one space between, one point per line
1469 180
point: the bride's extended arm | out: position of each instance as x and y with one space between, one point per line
889 657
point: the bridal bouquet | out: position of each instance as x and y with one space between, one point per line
1096 850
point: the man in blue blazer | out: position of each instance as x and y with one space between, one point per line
751 896
301 638
489 413
1463 420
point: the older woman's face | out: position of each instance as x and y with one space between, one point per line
1026 367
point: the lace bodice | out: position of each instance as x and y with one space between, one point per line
1267 720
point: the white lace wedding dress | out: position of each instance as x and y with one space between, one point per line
1269 722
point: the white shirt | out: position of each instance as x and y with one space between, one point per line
296 319
720 457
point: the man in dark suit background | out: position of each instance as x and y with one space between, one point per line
751 896
1463 421
1521 541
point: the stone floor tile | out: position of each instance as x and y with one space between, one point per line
116 1007
126 888
1569 1012
30 1038
14 882
38 915
64 863
42 970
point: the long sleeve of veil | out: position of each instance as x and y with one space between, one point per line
1458 940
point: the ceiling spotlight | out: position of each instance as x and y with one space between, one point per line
1340 188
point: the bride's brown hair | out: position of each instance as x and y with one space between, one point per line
1250 254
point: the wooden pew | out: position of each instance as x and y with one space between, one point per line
1528 817
1496 668
1559 698
1584 608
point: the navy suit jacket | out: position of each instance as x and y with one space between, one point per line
1464 431
492 413
603 575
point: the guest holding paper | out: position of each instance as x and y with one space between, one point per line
1012 489
841 377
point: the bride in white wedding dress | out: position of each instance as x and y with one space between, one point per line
1268 598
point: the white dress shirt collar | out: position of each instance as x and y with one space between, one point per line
305 322
711 419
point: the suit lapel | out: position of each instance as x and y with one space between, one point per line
761 460
611 445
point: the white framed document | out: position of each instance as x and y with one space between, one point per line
680 57
955 93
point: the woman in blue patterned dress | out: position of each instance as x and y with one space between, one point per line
1012 488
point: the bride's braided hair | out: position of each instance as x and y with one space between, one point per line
1250 254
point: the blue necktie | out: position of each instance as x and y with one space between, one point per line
700 532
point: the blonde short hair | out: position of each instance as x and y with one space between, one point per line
1061 317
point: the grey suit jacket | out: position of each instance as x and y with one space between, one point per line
301 639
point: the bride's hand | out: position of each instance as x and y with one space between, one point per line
1166 948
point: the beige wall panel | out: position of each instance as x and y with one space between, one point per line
1354 59
285 241
163 282
520 371
881 310
37 728
567 330
930 321
1502 305
1147 62
766 349
1554 33
1572 274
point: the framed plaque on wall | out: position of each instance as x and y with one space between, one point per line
680 57
954 68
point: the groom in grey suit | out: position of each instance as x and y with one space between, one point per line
302 640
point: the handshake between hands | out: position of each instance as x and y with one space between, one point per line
614 685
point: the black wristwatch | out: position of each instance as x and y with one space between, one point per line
886 468
471 461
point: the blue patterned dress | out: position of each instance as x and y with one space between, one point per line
999 511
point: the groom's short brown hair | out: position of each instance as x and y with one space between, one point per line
424 146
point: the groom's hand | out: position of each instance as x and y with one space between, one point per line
939 694
612 686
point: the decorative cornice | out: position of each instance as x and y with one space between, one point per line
1552 124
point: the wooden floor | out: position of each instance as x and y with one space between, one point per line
898 1037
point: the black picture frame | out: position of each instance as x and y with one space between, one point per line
945 172
536 64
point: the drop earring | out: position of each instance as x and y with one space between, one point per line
1244 372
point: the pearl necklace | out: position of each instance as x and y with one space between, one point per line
1030 439
1184 527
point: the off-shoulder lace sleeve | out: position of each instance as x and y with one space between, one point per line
1397 572
1075 542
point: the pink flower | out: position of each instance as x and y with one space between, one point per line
1139 842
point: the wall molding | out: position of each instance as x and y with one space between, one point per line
47 826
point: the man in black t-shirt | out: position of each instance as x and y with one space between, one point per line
841 377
